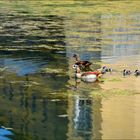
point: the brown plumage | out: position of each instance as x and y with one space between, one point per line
82 64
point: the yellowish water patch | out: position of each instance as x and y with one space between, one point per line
122 114
69 7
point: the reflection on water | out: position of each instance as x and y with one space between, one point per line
87 118
82 120
31 32
23 62
28 93
39 95
5 134
122 39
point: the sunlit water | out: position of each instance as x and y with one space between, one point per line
40 98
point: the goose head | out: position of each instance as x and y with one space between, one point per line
137 72
76 57
77 71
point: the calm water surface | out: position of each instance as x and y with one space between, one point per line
40 99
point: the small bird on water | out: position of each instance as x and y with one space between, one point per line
137 73
106 69
126 72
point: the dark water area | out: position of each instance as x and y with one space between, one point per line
32 99
39 95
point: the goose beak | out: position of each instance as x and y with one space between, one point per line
100 75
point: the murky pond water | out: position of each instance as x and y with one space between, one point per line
40 98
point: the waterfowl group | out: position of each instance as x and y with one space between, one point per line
92 76
88 76
128 72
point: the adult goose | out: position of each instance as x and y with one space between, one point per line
82 64
90 76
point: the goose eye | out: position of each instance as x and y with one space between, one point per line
74 66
